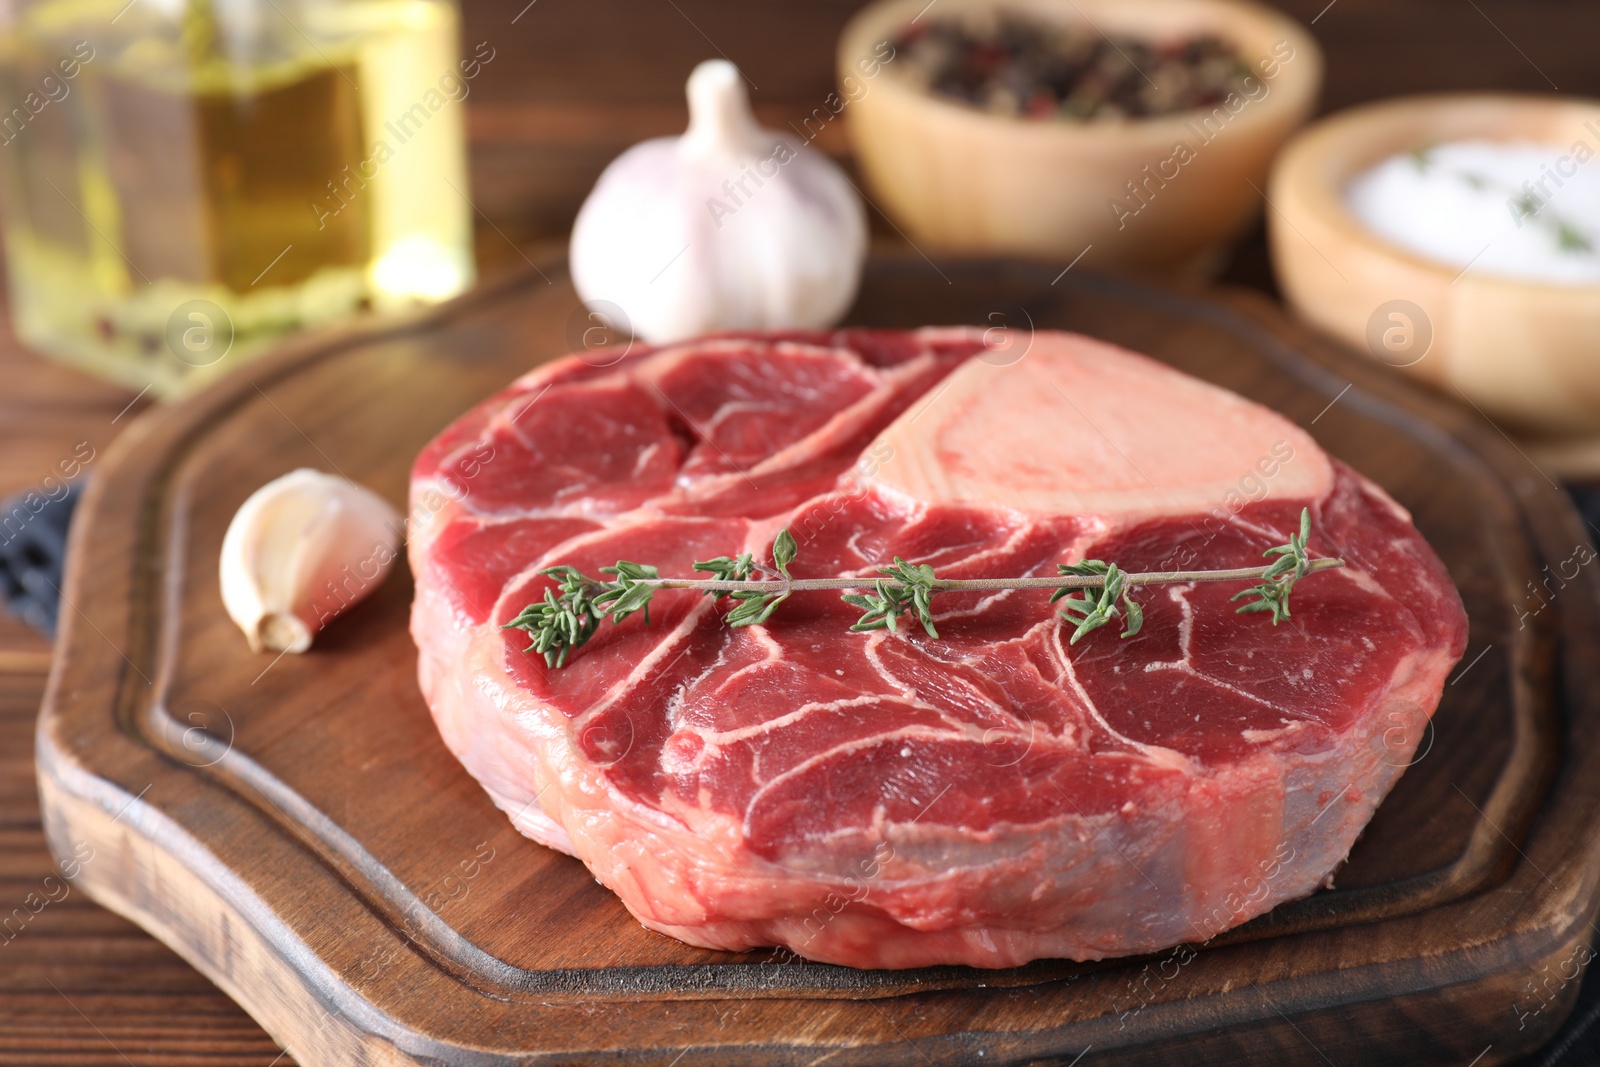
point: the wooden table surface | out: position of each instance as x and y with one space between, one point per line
572 83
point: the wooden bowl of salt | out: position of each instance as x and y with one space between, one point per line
1456 237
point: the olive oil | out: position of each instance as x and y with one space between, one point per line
186 182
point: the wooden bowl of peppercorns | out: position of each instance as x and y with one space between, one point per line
1136 134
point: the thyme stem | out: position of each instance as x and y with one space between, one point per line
952 585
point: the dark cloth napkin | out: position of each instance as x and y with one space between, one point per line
1577 1043
33 549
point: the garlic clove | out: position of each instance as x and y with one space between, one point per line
299 551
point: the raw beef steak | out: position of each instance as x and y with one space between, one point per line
894 800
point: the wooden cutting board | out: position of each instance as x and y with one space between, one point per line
296 830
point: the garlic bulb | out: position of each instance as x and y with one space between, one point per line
730 226
299 551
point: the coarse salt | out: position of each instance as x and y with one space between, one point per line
1516 209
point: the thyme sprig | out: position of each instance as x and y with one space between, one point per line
1091 612
904 587
756 605
565 619
728 569
1278 580
574 606
1095 592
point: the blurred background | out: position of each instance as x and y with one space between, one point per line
560 88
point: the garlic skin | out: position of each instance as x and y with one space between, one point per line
299 551
728 227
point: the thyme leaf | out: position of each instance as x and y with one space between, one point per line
630 592
736 569
1571 239
784 551
756 607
